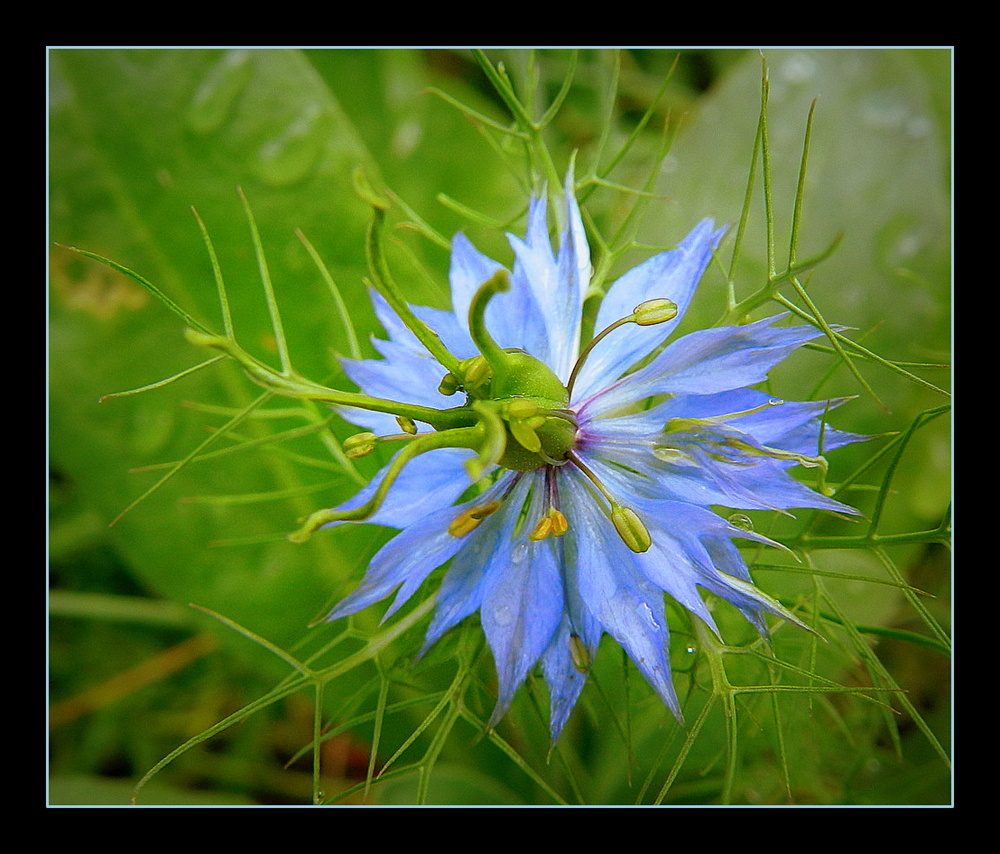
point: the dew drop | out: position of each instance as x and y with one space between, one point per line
741 521
215 98
648 614
291 154
503 615
519 554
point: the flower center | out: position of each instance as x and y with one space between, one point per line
524 393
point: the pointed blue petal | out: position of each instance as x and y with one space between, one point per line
409 558
469 269
521 610
705 362
461 591
427 483
561 675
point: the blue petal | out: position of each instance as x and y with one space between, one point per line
514 318
536 274
409 557
561 675
461 591
672 275
521 610
428 483
574 272
706 362
449 329
790 425
469 269
625 603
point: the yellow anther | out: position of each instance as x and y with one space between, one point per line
579 654
406 425
359 445
542 529
559 524
468 520
552 524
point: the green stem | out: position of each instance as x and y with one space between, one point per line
385 285
293 386
462 437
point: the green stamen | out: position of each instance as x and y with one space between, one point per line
579 654
629 526
359 445
631 529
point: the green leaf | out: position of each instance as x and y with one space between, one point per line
138 138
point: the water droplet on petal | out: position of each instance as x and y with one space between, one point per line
741 521
519 554
503 615
648 614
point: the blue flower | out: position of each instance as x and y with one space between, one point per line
597 499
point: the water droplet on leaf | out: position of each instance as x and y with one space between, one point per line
292 153
215 98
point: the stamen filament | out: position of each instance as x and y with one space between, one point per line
648 313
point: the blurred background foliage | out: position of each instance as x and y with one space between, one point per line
139 137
